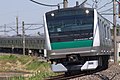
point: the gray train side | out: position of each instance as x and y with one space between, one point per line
14 44
77 39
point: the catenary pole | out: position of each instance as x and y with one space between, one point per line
114 27
65 3
23 31
17 25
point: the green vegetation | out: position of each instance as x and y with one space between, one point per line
41 75
17 78
8 57
35 69
24 59
37 64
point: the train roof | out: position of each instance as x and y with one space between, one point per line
40 37
69 9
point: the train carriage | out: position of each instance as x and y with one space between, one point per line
77 39
14 44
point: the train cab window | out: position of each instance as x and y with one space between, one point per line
70 25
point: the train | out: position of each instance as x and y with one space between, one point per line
14 44
77 39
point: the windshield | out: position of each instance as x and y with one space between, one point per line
70 25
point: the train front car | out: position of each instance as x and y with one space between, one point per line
73 40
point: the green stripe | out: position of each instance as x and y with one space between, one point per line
71 44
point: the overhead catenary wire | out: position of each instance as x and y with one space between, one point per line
14 30
83 3
108 21
107 10
35 28
6 31
110 9
45 4
89 4
104 5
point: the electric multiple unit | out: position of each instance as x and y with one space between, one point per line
14 44
77 39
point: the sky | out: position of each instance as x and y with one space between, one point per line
30 12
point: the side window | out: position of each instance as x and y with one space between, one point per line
98 21
26 43
105 29
108 32
16 42
12 42
8 41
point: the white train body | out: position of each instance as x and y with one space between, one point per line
77 39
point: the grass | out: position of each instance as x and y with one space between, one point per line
39 69
40 75
24 59
17 78
34 65
8 57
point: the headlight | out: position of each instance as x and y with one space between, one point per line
87 11
52 14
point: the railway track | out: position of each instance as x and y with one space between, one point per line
68 77
112 73
72 77
64 77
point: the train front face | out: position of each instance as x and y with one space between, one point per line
69 33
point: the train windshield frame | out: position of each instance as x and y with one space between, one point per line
70 24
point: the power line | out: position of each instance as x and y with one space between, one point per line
108 21
89 4
107 13
83 3
104 5
6 30
33 24
45 4
107 10
35 28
